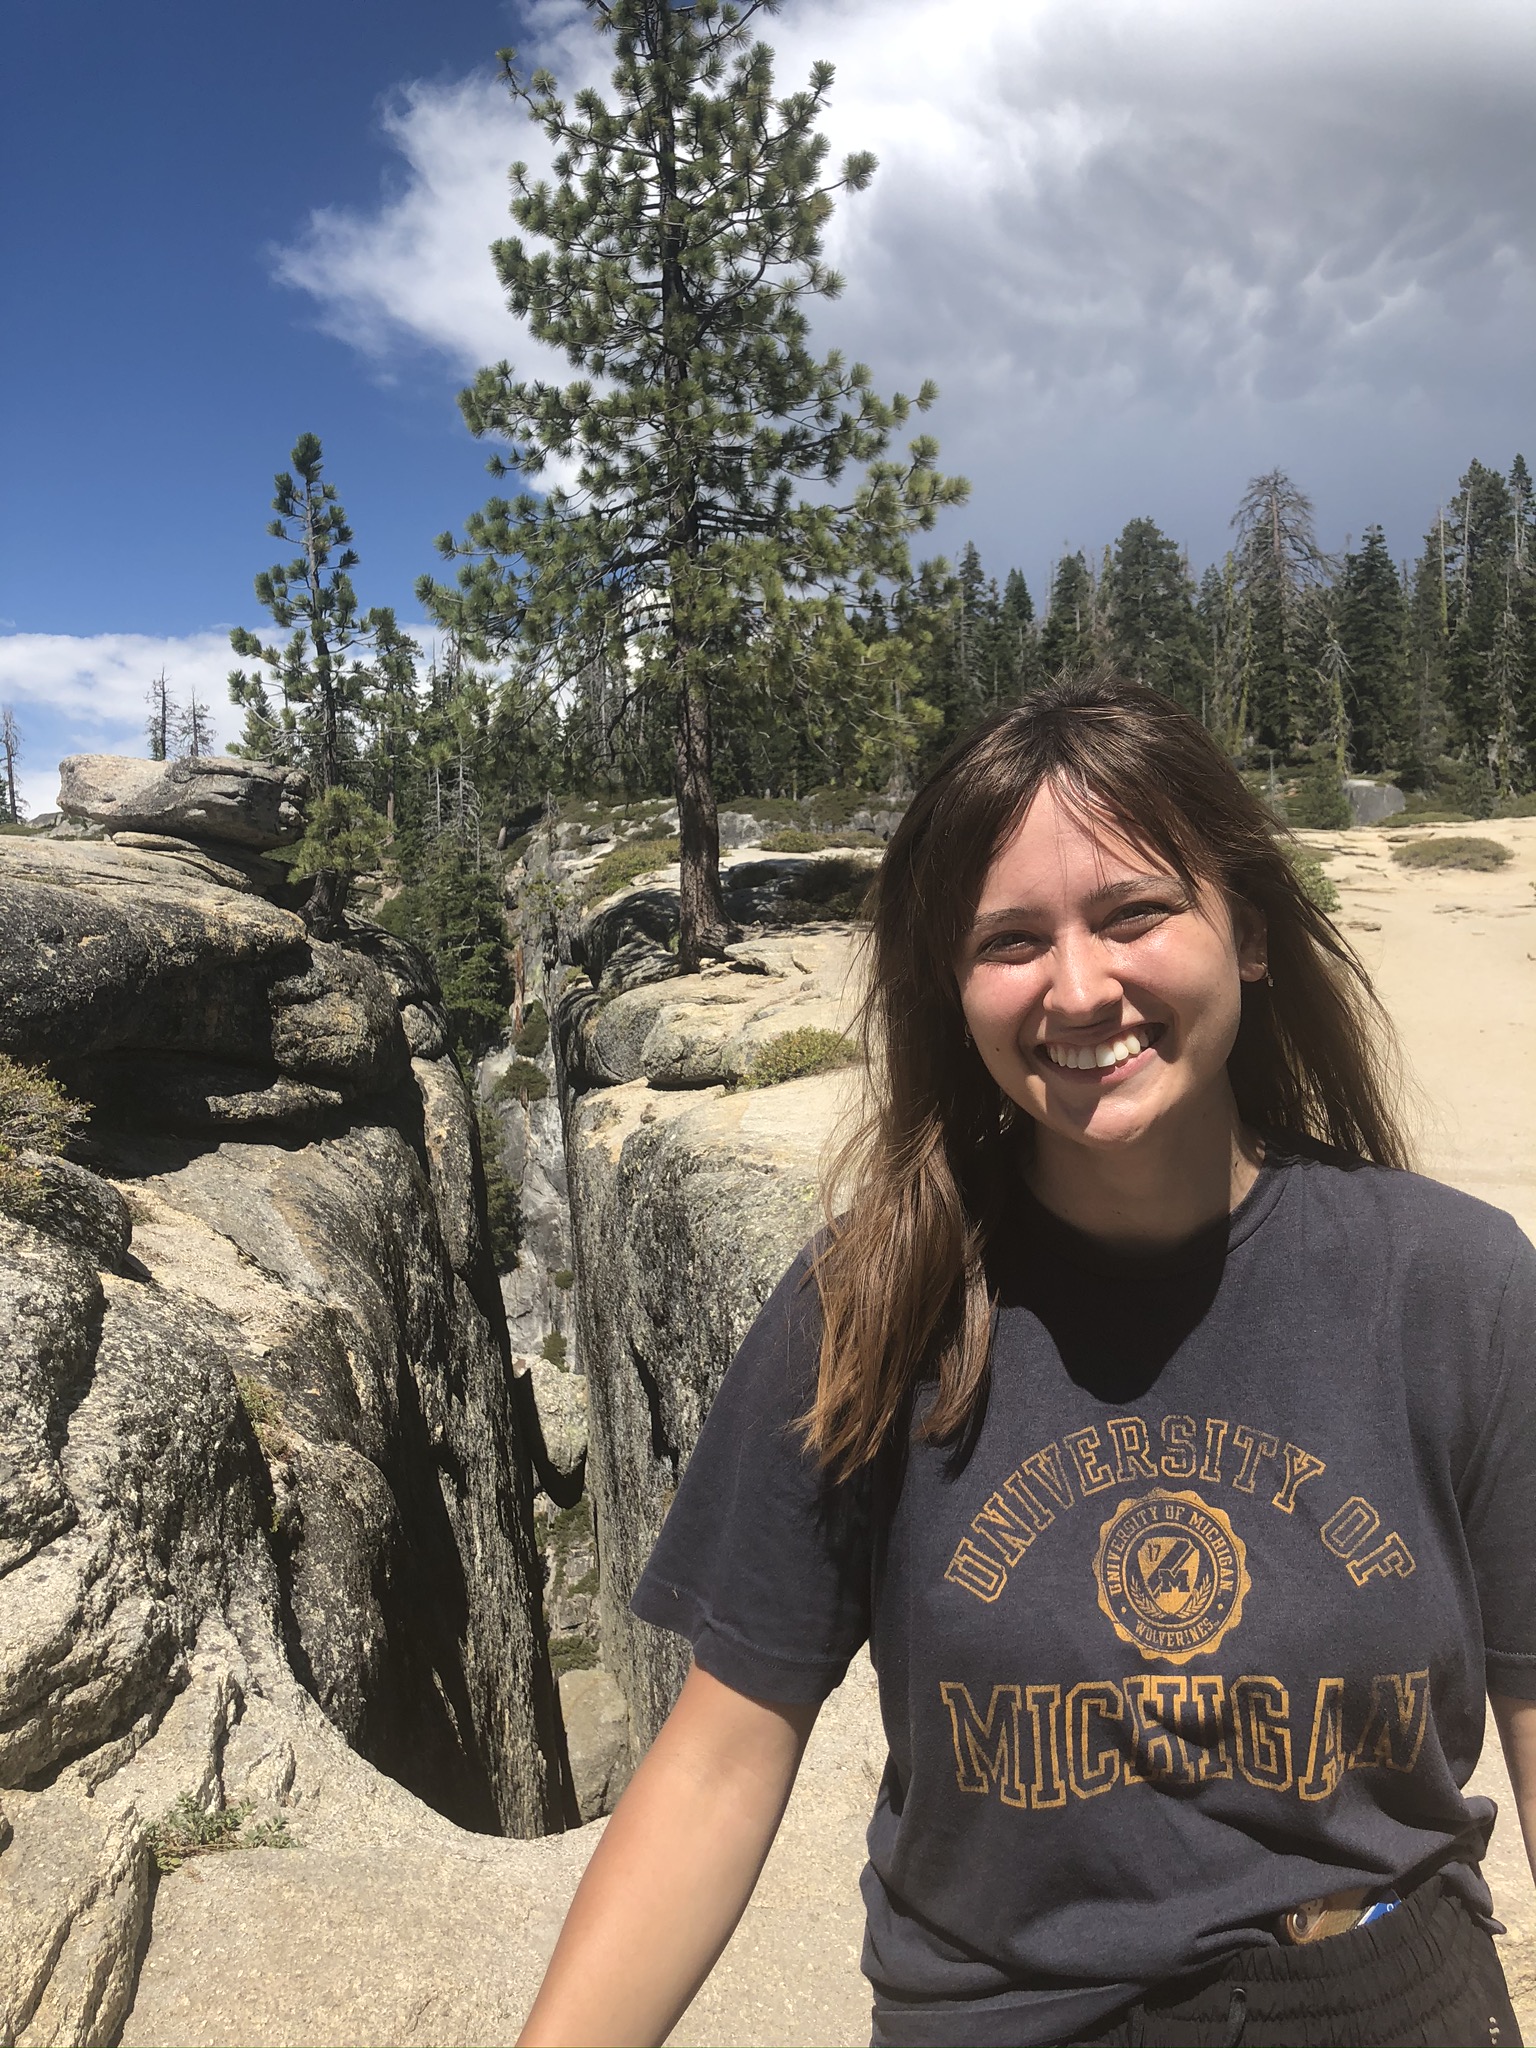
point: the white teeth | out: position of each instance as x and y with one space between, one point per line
1113 1052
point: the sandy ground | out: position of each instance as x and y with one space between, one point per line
1454 957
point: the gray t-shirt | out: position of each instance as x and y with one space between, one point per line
1197 1621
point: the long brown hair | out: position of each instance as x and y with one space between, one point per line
902 1272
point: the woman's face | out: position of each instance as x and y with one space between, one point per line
1102 997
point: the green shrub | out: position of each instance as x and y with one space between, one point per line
534 1036
572 978
1481 856
564 1279
35 1116
827 889
797 841
187 1831
1515 807
626 863
1423 817
552 1349
258 1401
524 1082
571 1653
793 1054
344 833
1320 803
1315 885
503 1198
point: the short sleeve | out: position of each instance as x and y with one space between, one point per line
1500 1489
763 1562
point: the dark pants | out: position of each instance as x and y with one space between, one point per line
1426 1976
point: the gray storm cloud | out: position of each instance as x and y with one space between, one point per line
1145 250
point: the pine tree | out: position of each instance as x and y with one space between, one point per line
1508 683
682 232
391 710
10 754
313 594
1154 632
191 729
1370 617
1067 638
453 911
1020 643
1480 528
1280 567
162 718
1427 633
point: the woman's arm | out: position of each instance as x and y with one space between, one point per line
673 1872
1517 1732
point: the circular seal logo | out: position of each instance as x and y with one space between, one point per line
1172 1575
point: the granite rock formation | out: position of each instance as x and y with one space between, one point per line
215 796
262 1472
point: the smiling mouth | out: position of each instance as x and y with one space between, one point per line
1108 1056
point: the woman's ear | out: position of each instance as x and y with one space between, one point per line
1251 934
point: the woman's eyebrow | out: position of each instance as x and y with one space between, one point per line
1111 892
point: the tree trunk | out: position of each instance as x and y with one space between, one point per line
705 929
325 906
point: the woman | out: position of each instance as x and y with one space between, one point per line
1169 1444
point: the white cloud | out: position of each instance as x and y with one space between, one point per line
1146 246
77 693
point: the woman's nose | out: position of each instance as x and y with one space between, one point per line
1081 981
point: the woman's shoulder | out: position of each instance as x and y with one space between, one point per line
1425 1222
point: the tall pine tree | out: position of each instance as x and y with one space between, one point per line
1280 567
1068 644
682 233
1370 623
313 595
1154 632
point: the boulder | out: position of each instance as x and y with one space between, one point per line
560 1398
247 803
76 1206
108 947
1371 802
338 1023
596 1739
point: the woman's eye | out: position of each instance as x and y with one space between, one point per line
1133 918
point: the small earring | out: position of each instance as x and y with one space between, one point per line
1269 979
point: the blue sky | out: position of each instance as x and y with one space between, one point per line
1148 247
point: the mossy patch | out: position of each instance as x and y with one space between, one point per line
1463 851
626 864
795 1054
